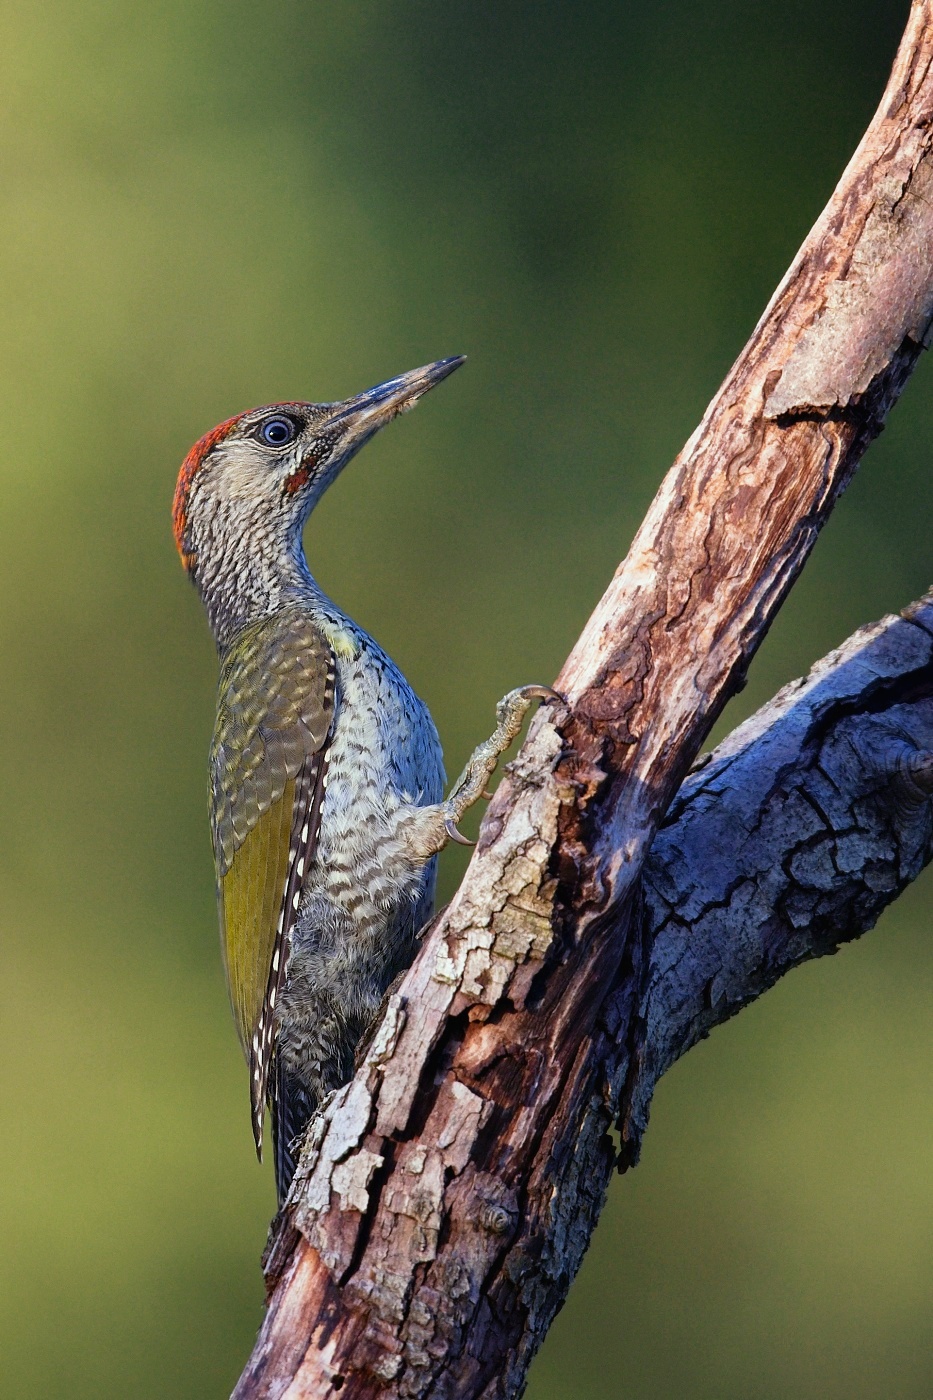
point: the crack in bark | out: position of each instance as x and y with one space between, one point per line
853 731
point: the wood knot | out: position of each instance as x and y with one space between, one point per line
494 1218
911 780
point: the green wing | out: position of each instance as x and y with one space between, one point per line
274 712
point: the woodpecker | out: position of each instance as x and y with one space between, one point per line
326 775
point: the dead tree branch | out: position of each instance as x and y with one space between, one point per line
792 837
446 1195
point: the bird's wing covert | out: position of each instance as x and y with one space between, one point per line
274 713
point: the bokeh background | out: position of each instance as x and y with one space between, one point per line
209 206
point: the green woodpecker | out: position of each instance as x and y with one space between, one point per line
326 779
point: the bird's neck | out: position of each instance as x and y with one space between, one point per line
244 585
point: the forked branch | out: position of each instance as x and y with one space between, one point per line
446 1195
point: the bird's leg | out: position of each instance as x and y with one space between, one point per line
471 785
433 827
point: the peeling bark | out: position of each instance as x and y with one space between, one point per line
446 1195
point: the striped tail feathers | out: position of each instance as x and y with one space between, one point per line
309 794
292 1107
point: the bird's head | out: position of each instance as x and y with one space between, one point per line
248 486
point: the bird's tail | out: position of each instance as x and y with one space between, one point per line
292 1106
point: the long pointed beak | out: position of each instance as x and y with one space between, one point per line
366 413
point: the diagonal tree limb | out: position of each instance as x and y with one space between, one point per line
446 1195
792 837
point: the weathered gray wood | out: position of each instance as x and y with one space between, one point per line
447 1194
792 837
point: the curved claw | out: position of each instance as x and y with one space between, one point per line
541 692
455 835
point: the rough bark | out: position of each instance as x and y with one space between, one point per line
793 836
446 1195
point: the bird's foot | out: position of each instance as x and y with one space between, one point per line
472 783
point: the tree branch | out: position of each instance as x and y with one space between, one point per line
793 837
446 1195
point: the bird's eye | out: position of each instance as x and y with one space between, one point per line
276 432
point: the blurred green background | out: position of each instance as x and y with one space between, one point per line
210 206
